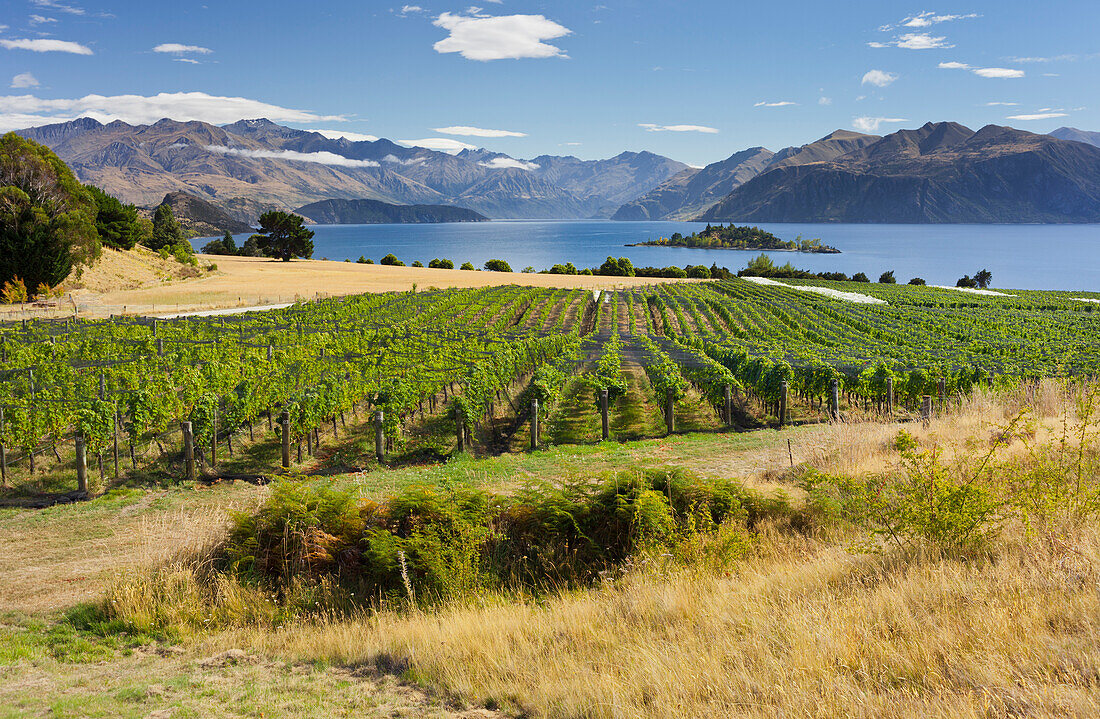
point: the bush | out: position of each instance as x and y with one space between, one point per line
438 264
887 278
966 281
467 266
391 260
417 263
919 281
362 260
860 277
14 292
497 266
698 272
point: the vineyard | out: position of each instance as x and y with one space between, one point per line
416 376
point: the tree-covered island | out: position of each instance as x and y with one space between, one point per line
718 237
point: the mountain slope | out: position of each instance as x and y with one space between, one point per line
201 218
1075 135
941 172
368 212
692 191
254 164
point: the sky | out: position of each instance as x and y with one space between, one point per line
695 80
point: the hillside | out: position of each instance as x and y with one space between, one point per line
939 173
251 165
1075 135
691 192
368 212
200 218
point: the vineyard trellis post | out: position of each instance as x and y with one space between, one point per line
670 411
460 429
117 422
81 464
889 396
379 437
729 406
834 401
188 451
284 424
926 409
603 413
783 390
941 391
534 424
3 452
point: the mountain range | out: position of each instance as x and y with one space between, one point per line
939 173
254 165
374 212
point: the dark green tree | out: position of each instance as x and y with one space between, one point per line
966 281
918 281
166 229
251 248
497 266
391 260
467 265
983 278
438 264
860 277
612 267
698 272
362 260
118 225
283 236
224 246
47 218
887 278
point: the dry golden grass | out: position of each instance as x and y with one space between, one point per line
134 283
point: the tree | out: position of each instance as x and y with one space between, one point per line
698 272
497 266
391 260
250 248
362 260
983 278
860 277
438 264
966 281
47 218
118 225
467 266
567 269
166 229
224 246
887 278
283 237
621 267
918 281
418 263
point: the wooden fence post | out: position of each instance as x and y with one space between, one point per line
284 424
603 413
729 406
941 391
926 409
81 464
214 440
188 451
834 401
379 437
3 452
889 396
117 423
160 347
534 424
670 411
784 388
460 429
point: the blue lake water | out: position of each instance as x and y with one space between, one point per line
1065 257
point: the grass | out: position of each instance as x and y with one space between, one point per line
805 625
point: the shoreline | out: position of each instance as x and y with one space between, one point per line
736 249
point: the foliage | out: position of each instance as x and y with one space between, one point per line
467 266
391 260
167 232
444 264
283 236
13 292
224 246
47 218
887 278
118 225
611 267
497 266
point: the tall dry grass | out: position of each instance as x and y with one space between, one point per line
802 628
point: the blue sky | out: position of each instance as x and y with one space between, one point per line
695 80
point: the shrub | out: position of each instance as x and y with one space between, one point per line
391 260
860 277
438 264
497 266
467 266
14 292
918 281
362 260
887 278
418 263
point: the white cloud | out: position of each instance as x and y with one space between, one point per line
19 111
467 131
187 60
353 136
1001 104
54 5
40 20
508 163
928 19
649 127
878 78
318 158
24 79
824 100
499 38
871 124
915 41
398 161
781 103
996 72
1038 116
443 144
408 9
176 48
46 45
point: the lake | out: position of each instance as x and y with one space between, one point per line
1065 257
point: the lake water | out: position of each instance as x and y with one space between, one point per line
1065 257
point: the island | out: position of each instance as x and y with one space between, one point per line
718 237
376 212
